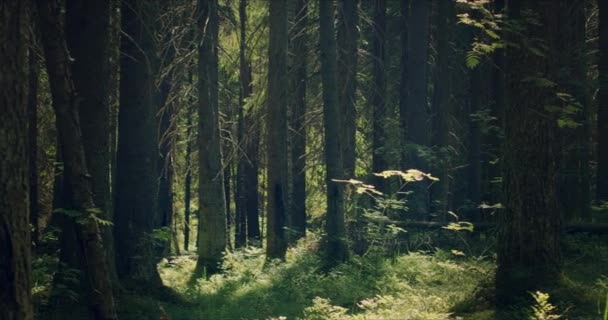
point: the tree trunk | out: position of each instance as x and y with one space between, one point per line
379 140
417 118
336 250
15 244
440 190
247 199
166 142
529 256
348 36
277 191
188 181
79 190
403 79
252 201
602 113
137 153
298 117
230 219
473 194
240 232
32 116
87 24
212 202
575 191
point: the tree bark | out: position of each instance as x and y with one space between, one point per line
403 78
276 241
440 190
378 52
336 249
240 233
575 190
298 117
602 113
15 243
417 118
529 256
87 24
136 201
32 116
188 181
165 166
348 36
79 190
212 201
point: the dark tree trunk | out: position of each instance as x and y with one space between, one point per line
240 232
336 249
113 96
403 79
575 191
473 193
32 116
529 256
79 189
417 118
602 113
230 218
440 190
212 202
493 142
165 166
188 181
87 24
298 117
379 161
136 201
252 196
15 244
247 202
348 36
276 158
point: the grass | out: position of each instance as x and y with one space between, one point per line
410 286
416 285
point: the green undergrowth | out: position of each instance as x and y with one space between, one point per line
409 286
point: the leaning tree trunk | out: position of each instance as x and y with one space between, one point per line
15 244
529 254
336 249
136 201
277 192
212 201
79 191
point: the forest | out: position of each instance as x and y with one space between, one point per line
303 159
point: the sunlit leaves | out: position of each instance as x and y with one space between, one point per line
460 226
410 175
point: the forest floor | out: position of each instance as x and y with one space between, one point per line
442 284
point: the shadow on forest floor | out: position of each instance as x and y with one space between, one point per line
413 286
421 285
